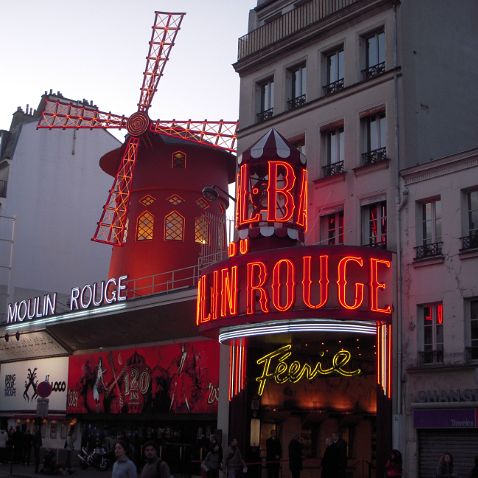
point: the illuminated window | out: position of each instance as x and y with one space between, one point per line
202 203
429 234
374 224
147 200
374 131
334 150
265 107
175 200
201 230
374 54
332 228
125 233
432 332
472 307
335 71
179 160
174 227
297 79
145 225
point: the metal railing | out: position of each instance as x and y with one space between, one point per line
470 241
334 87
374 70
333 168
380 243
265 115
374 156
428 250
292 22
296 102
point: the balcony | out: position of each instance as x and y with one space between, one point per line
333 169
334 87
430 357
374 156
374 70
296 102
305 15
433 249
265 115
376 242
470 241
3 188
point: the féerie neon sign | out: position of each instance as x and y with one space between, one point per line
275 367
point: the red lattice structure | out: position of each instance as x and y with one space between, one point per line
63 114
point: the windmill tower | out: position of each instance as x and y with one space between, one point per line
155 216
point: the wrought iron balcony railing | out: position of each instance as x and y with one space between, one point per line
265 115
374 70
334 87
428 250
471 353
333 168
380 243
430 357
298 19
296 102
374 156
470 241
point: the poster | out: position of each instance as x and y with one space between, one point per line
173 378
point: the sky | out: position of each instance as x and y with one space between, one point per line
96 49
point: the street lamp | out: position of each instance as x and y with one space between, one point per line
211 193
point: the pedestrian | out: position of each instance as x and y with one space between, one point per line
154 467
69 447
37 444
445 466
123 466
295 456
233 461
393 467
326 463
212 461
273 455
339 455
474 470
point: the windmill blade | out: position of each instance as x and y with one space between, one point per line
112 224
220 134
65 114
165 28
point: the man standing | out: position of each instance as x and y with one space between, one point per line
295 456
273 454
154 466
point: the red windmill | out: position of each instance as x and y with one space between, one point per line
144 135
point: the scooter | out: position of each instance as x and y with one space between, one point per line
98 458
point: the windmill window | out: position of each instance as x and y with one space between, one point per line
147 200
201 230
202 203
175 200
145 225
179 160
174 227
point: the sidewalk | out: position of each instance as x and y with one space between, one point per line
29 472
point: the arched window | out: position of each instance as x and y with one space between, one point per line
145 226
174 227
201 230
125 233
179 160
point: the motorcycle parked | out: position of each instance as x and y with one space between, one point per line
98 458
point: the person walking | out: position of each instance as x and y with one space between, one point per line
233 461
154 467
273 455
393 467
445 466
295 456
212 461
123 466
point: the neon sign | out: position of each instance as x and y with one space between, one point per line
276 367
311 281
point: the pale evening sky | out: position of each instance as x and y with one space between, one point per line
96 49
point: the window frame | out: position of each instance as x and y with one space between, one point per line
431 352
334 83
297 89
266 91
472 317
380 239
183 226
333 163
337 236
144 216
374 143
377 66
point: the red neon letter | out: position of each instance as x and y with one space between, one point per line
303 199
242 199
375 285
342 284
290 285
256 270
273 192
323 281
215 295
229 291
201 316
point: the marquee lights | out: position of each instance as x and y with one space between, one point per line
275 366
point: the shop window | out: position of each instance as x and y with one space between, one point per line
297 82
335 71
374 224
334 150
174 227
470 239
332 228
429 234
431 316
201 230
147 200
374 54
145 226
175 200
179 160
374 130
265 105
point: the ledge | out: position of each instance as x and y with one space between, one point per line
428 261
335 178
366 168
440 367
466 254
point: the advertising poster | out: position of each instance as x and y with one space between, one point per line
173 378
19 384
